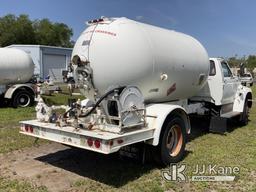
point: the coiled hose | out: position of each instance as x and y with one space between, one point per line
101 99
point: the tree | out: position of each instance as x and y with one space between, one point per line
16 30
64 34
45 33
235 61
24 30
55 34
251 62
21 30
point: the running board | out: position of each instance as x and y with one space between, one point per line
230 114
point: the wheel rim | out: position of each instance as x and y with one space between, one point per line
23 100
174 140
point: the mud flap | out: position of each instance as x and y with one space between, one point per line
218 125
138 152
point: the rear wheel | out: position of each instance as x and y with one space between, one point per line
251 84
22 99
171 147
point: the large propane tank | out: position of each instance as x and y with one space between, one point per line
16 66
165 65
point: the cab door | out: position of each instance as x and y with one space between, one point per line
230 84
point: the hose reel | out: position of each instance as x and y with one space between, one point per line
131 105
128 106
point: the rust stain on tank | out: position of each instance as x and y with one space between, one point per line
171 89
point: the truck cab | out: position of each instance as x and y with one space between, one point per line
224 91
230 83
222 83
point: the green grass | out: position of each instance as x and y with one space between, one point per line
236 148
19 186
11 139
10 117
59 99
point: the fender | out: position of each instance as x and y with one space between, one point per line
10 91
243 92
156 115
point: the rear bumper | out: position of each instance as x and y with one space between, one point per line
93 140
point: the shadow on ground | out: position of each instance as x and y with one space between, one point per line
111 169
107 169
200 127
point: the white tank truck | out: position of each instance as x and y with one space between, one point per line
142 83
16 68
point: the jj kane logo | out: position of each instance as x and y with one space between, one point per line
177 172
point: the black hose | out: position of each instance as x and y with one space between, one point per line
101 99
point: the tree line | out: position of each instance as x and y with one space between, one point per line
22 30
249 62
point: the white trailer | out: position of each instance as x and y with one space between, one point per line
142 83
16 69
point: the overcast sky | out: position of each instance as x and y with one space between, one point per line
224 27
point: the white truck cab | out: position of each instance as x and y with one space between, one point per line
224 90
222 85
230 82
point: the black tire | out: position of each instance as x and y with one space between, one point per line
2 101
244 117
251 84
171 147
22 99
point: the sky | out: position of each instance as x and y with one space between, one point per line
225 27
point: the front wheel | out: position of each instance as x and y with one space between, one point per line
171 147
22 99
244 117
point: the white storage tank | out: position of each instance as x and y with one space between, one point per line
16 66
165 65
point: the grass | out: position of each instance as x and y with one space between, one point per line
236 148
11 139
19 186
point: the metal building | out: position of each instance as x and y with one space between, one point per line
48 60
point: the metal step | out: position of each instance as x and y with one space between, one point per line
230 114
218 125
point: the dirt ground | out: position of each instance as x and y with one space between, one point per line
36 164
58 167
